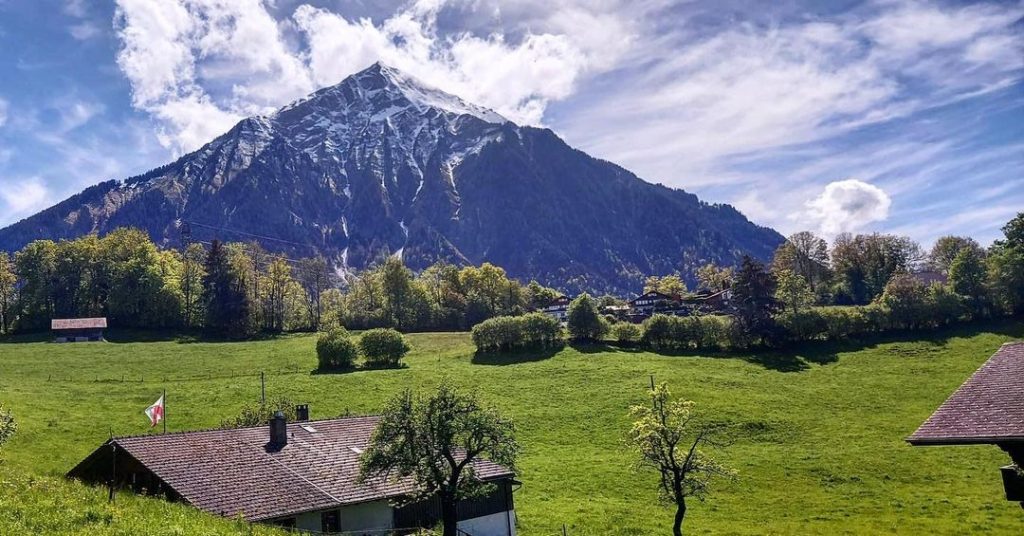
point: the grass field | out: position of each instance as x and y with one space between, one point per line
823 450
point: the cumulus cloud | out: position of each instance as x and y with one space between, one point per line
24 197
848 205
200 65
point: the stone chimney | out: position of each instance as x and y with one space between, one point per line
278 430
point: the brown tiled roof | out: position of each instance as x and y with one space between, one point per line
231 472
78 323
987 408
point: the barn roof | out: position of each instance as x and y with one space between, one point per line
78 323
235 472
987 408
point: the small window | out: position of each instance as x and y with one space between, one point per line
330 521
357 450
308 428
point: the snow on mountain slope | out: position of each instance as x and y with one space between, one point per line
381 164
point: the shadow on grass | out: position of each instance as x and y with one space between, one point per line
357 368
514 358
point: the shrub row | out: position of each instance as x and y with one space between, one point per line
381 348
506 333
661 332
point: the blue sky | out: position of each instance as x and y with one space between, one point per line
903 117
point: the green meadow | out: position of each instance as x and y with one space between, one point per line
820 449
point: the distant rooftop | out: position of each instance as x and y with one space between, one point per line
78 323
987 408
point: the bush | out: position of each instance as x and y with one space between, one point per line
712 332
506 333
626 333
583 320
335 349
805 325
383 347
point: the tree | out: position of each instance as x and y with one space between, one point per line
792 291
539 296
191 283
8 292
583 319
668 437
279 276
227 305
435 442
753 296
713 278
946 249
905 296
335 349
1006 267
671 285
806 255
35 266
967 277
864 264
315 280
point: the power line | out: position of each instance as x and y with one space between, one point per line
254 235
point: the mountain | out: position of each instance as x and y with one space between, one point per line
381 164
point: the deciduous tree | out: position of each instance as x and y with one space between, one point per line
669 437
434 442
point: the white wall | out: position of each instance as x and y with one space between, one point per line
500 524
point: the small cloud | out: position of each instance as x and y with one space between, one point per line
84 31
848 205
24 197
75 8
3 112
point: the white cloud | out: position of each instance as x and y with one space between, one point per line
24 197
3 111
760 87
847 205
200 65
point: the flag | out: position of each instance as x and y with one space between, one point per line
156 412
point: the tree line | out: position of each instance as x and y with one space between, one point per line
241 289
864 284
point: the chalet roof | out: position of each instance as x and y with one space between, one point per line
987 408
234 471
78 323
654 294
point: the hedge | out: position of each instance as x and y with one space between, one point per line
506 333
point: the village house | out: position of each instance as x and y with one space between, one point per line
988 409
558 307
302 476
77 329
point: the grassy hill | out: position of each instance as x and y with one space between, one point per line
823 451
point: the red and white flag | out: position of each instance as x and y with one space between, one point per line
156 412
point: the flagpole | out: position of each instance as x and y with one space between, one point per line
165 411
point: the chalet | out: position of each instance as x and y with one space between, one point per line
653 300
558 307
302 476
988 409
78 329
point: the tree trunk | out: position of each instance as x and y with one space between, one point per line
449 514
677 526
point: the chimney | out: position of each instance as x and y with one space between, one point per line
302 412
278 430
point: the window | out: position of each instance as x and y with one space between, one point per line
330 521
